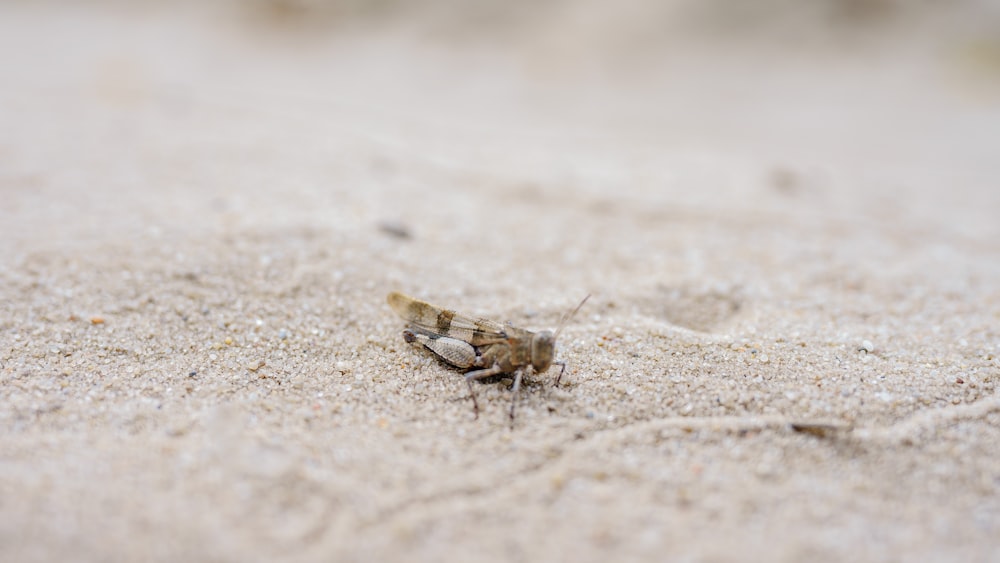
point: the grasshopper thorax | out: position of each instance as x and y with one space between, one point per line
543 350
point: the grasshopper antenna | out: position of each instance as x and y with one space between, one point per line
568 316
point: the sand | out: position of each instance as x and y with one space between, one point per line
791 350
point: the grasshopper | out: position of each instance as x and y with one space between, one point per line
484 347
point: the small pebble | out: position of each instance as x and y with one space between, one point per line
395 229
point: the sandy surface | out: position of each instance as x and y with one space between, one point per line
787 220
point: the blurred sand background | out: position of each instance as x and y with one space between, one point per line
785 213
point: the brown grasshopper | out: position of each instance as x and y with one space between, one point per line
484 347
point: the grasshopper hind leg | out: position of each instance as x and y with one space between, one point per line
458 353
513 394
480 374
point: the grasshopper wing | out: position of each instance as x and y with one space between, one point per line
444 322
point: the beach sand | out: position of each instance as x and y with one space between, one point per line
789 229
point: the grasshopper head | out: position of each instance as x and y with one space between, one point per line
543 344
543 350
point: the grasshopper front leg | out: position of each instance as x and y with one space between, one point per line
562 368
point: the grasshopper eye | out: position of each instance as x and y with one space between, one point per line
543 350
